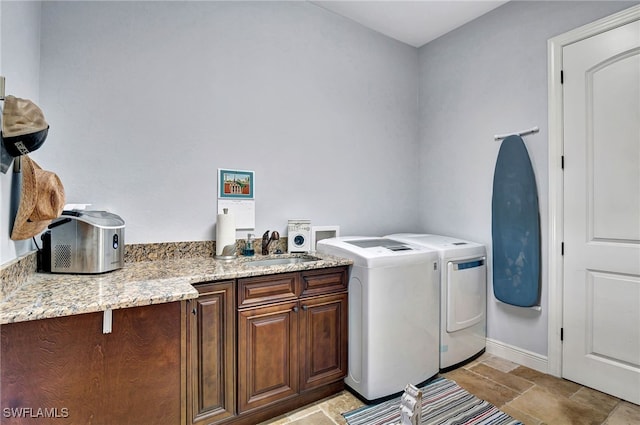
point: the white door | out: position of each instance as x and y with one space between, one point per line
601 322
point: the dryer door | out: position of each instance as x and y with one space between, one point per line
466 293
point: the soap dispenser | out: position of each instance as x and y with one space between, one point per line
248 248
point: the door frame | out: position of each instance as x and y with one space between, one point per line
556 191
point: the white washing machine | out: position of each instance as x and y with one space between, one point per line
463 296
393 314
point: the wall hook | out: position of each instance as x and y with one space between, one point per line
519 133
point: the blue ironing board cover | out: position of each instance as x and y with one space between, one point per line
515 227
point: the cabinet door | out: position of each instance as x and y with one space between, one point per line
143 366
54 363
267 354
65 369
210 354
323 340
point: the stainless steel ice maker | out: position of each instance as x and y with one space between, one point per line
82 241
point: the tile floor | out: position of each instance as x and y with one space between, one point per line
527 395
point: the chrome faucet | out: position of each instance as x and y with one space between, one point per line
266 240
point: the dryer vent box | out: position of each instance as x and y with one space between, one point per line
319 233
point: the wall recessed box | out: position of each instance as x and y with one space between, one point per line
319 233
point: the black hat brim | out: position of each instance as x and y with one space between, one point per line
26 143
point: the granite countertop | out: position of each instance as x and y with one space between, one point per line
46 295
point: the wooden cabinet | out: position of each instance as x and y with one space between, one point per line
66 371
323 340
292 335
267 354
258 347
245 351
323 327
290 347
211 354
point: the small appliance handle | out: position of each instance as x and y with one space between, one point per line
73 213
59 222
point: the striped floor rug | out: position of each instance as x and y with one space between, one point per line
443 402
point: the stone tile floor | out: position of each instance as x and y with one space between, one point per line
532 397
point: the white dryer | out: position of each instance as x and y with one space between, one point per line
463 296
393 314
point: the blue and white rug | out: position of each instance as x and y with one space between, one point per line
443 403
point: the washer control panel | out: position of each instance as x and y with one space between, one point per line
299 235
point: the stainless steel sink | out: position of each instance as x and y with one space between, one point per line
280 261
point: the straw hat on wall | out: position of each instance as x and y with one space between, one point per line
41 200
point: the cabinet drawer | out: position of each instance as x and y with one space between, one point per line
265 289
323 281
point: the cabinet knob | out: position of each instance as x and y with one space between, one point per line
295 309
194 311
305 307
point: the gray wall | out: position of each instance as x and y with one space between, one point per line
20 65
146 100
490 77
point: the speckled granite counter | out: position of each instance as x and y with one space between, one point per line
46 295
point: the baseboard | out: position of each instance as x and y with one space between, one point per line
518 355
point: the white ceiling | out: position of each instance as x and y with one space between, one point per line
412 22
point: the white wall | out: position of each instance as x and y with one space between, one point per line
146 100
490 77
20 64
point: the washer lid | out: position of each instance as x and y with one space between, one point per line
376 251
382 242
440 243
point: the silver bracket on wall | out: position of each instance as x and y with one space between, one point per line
107 321
519 133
